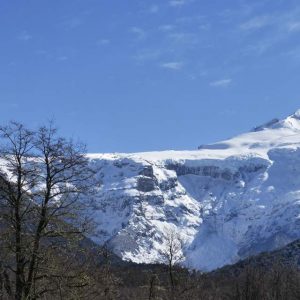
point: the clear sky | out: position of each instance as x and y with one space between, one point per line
140 75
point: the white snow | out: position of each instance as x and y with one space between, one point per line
226 200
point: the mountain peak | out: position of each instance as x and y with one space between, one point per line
292 121
296 114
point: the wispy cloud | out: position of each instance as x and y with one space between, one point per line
103 42
285 21
185 38
277 30
223 83
153 9
256 23
260 47
72 23
178 3
62 58
191 20
174 65
138 32
148 55
24 36
294 26
166 27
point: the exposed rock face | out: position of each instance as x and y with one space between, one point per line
215 171
146 184
147 171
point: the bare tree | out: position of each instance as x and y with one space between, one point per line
43 180
172 254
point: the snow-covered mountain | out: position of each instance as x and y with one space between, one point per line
226 200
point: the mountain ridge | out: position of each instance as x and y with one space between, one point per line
227 200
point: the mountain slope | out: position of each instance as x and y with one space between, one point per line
288 256
227 200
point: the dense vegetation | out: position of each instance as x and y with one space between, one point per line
105 280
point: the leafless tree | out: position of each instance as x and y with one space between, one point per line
172 254
45 182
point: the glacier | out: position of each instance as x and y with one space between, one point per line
226 201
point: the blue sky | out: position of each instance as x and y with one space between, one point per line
142 75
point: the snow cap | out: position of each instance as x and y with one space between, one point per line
297 114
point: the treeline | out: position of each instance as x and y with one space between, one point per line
97 277
252 283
